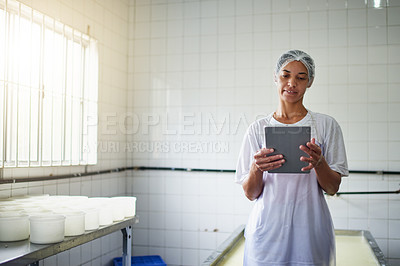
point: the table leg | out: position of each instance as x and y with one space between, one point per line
127 246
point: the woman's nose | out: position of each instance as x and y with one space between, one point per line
292 82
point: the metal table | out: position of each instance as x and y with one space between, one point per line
25 252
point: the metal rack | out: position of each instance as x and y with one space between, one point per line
24 252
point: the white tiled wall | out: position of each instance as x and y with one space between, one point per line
180 80
201 71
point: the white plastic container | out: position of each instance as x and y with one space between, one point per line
91 218
39 212
14 226
47 229
74 222
118 207
129 204
105 210
11 209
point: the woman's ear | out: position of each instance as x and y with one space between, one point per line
275 78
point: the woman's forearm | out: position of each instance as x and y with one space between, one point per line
254 184
328 179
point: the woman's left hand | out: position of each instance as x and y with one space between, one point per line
314 151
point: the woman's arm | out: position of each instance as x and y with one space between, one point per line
253 185
328 179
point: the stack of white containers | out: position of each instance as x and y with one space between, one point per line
48 219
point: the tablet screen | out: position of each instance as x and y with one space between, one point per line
286 141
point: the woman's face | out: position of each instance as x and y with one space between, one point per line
292 82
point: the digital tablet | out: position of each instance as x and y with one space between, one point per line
286 141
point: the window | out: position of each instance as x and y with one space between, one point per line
48 90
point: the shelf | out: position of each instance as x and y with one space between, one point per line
24 252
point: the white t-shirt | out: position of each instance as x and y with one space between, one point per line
290 223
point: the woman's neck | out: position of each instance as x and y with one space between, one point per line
290 114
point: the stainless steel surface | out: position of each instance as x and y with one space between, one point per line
216 257
24 252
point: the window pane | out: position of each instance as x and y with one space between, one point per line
48 85
68 131
70 68
2 44
12 52
76 132
48 79
2 77
2 103
77 69
47 127
35 61
24 56
23 95
11 124
58 129
35 115
59 63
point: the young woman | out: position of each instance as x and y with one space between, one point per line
290 223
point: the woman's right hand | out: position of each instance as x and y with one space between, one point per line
265 162
253 186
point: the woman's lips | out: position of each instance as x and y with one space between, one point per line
290 92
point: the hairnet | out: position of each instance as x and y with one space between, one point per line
297 55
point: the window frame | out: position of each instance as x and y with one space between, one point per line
79 89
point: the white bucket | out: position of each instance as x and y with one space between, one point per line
13 226
47 229
105 210
118 207
74 222
129 204
91 218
